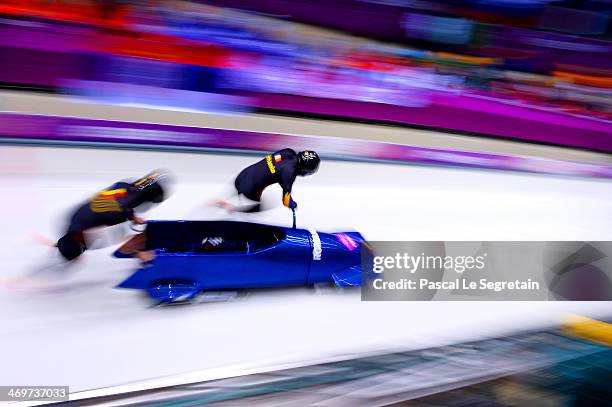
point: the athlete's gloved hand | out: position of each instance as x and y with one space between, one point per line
288 201
137 220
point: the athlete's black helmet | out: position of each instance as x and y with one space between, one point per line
154 186
308 162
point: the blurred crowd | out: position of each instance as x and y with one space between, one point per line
552 55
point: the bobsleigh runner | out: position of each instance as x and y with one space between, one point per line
192 257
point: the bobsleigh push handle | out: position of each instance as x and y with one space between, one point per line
138 228
293 211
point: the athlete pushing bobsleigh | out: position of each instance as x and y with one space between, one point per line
282 167
88 223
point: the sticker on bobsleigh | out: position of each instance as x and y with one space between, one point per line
316 244
213 241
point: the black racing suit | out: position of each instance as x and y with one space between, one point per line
109 207
279 167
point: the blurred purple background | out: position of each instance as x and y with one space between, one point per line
537 70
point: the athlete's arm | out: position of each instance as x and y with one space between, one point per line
121 216
287 178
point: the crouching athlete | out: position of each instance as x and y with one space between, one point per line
281 167
112 206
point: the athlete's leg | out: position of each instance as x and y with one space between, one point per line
135 246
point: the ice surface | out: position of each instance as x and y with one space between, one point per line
90 335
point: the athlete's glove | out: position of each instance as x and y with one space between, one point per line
288 201
137 220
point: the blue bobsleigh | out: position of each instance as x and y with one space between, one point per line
196 256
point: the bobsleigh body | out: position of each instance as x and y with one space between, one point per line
196 256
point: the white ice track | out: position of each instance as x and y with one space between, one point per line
95 336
